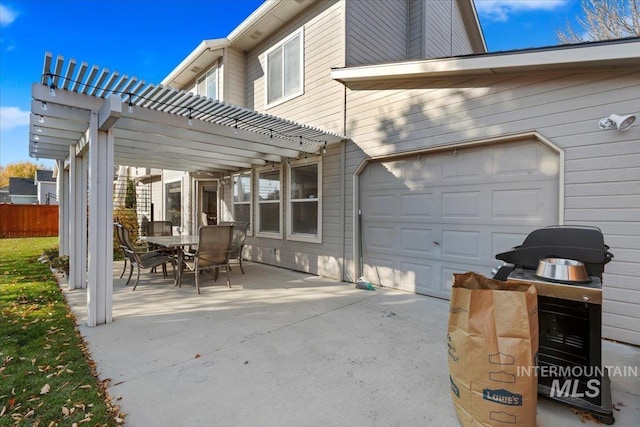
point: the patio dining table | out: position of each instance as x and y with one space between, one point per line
178 242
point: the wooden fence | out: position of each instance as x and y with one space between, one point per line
28 220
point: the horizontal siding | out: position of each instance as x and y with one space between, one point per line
234 83
445 33
322 103
376 31
415 29
602 172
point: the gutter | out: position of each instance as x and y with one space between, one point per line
582 57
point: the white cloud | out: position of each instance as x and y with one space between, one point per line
13 117
499 10
7 15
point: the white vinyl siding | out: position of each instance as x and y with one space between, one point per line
601 168
322 104
285 71
233 80
376 31
445 33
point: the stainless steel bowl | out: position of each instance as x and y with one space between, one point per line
562 270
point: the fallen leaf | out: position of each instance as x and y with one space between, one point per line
3 410
65 411
45 389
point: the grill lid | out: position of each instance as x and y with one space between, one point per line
581 243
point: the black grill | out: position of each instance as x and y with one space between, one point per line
569 325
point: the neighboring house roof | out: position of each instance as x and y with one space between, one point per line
44 176
591 55
22 187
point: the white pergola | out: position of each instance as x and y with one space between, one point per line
89 119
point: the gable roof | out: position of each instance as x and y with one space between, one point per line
22 187
44 176
267 19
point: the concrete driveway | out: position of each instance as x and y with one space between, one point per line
282 348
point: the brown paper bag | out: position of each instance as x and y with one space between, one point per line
492 341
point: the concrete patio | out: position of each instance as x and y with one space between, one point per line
285 348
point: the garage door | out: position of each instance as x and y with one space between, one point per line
426 217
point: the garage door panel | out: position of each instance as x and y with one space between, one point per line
379 238
413 276
380 206
416 240
518 203
462 244
461 166
418 205
461 204
515 159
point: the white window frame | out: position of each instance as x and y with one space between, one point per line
256 188
284 98
177 229
250 174
212 71
304 237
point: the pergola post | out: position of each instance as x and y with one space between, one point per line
101 165
62 190
77 221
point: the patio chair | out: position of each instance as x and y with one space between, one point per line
160 228
214 244
237 241
142 259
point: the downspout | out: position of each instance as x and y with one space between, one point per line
343 161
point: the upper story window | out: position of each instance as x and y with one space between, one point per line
269 203
207 85
285 75
305 196
242 198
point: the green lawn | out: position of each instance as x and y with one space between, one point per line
46 375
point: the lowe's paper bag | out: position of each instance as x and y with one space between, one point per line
492 342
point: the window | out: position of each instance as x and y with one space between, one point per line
173 203
242 197
269 218
208 84
285 70
305 195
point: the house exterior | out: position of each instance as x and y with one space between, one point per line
22 191
40 190
46 187
438 155
453 155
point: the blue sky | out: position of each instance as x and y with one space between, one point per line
148 38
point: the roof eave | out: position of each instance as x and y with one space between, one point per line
623 54
178 73
472 25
